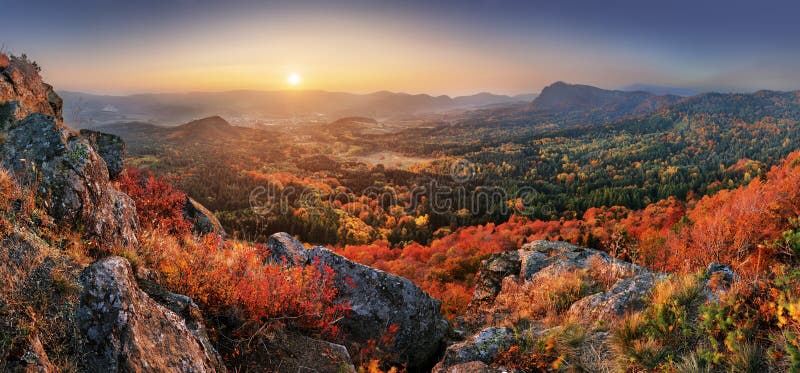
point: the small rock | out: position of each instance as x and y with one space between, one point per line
286 249
203 221
482 347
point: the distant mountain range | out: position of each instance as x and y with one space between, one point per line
560 102
268 107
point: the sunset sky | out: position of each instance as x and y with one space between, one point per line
436 47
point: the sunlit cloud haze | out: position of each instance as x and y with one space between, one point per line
438 47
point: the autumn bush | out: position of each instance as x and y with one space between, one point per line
159 205
654 337
559 349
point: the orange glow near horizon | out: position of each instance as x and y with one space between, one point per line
333 55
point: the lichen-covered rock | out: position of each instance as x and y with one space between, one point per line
483 347
378 300
184 307
493 270
125 330
72 180
625 296
110 147
20 82
283 248
203 221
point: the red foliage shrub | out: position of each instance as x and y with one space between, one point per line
222 275
158 204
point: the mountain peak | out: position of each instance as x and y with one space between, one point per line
209 128
565 96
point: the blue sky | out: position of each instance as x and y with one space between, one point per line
439 47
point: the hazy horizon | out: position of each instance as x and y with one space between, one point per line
436 48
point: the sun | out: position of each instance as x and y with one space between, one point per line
294 79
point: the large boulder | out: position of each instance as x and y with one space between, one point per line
126 330
72 180
21 83
378 300
203 221
110 147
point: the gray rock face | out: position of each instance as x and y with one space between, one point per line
378 300
482 347
110 147
203 221
184 307
125 330
285 249
627 295
72 180
493 270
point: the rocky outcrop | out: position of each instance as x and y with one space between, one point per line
203 221
540 261
482 347
554 258
21 84
490 279
125 330
378 300
110 147
72 180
